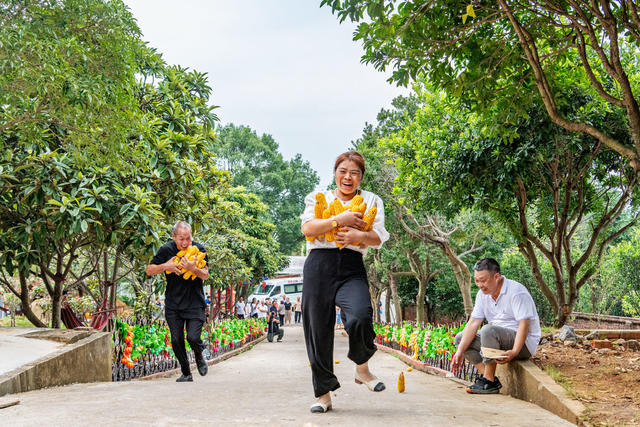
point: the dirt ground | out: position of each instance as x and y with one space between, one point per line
607 384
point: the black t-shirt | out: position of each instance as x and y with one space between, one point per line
273 325
287 305
181 294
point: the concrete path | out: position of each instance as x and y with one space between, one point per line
16 350
271 385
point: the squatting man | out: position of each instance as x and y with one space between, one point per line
513 326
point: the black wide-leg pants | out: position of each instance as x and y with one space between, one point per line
191 320
334 277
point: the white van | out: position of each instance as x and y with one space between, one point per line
290 287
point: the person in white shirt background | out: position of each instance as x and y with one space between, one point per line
240 308
336 276
513 326
262 310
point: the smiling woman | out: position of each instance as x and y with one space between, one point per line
338 233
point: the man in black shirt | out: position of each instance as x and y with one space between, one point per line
274 323
184 298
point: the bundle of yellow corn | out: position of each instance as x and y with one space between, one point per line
324 210
318 212
191 253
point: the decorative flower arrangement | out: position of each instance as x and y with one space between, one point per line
155 339
420 342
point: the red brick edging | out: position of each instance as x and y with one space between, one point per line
416 364
214 361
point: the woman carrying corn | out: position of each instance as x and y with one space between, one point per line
339 226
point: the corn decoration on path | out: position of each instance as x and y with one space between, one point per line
413 343
191 253
324 210
401 383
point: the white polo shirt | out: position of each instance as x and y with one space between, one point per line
513 305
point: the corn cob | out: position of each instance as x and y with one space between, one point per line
321 200
362 208
321 205
329 234
337 207
357 200
401 383
369 217
192 253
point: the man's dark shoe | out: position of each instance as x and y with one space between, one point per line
202 367
484 386
185 378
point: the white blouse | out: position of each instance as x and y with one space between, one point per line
369 198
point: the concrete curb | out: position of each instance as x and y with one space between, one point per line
521 379
85 361
416 364
211 362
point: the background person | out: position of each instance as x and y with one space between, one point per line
262 310
247 310
513 326
184 299
337 277
254 308
240 308
297 309
274 323
281 311
287 311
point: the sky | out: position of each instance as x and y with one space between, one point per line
287 68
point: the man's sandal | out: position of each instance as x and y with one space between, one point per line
320 408
373 385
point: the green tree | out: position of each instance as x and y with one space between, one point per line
67 114
104 146
255 163
412 228
621 267
501 53
557 195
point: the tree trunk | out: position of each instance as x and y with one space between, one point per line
422 291
26 304
463 277
56 304
396 299
387 305
375 300
430 313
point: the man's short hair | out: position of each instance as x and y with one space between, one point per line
179 225
489 264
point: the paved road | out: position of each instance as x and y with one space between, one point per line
17 350
271 385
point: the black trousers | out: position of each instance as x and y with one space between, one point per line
275 332
334 277
297 316
191 320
